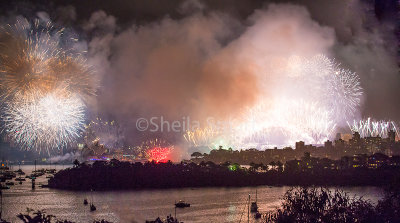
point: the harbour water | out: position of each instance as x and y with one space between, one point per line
207 204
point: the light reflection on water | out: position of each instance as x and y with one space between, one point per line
207 204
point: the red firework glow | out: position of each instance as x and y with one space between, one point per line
159 154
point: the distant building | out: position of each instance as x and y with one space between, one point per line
328 145
377 160
346 137
360 160
300 145
392 136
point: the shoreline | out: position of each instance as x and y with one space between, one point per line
173 176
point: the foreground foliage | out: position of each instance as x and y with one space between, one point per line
40 216
309 205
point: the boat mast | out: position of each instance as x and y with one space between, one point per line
248 210
175 210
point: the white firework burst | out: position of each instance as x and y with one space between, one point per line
344 92
368 127
52 121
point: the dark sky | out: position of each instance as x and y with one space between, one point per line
150 10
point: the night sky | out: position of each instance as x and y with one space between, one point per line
174 58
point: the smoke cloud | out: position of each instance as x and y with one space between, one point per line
206 64
202 59
66 157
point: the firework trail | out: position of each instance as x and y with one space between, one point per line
201 137
42 87
368 127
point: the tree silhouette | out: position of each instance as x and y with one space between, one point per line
196 155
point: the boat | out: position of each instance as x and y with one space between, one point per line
20 172
85 202
8 175
257 215
51 171
10 183
4 187
182 204
37 174
33 183
4 168
92 207
254 206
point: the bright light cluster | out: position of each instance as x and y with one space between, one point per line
369 127
156 149
42 87
310 97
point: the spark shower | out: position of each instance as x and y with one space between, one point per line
315 94
43 87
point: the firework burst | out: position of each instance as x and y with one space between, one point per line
159 154
291 119
42 86
201 137
156 149
52 121
344 92
32 63
312 97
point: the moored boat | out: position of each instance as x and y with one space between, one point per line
92 207
182 204
254 206
4 187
